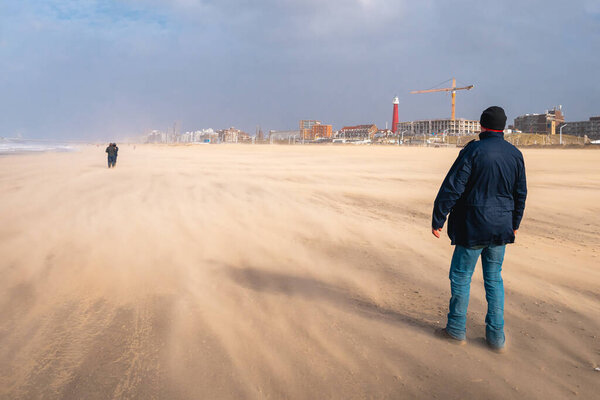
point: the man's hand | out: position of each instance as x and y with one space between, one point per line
515 232
436 232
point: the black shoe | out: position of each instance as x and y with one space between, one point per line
443 334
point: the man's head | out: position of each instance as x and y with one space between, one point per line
493 118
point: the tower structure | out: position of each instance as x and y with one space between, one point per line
452 90
395 116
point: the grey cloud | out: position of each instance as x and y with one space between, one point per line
95 69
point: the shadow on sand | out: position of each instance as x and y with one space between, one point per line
296 286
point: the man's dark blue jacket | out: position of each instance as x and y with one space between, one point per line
484 192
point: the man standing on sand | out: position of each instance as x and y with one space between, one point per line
112 151
484 192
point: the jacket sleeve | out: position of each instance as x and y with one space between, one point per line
519 195
452 188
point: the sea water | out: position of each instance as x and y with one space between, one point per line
18 146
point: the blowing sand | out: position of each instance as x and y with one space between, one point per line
230 272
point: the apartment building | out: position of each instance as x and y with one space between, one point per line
453 127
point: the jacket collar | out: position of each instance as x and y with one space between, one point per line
490 134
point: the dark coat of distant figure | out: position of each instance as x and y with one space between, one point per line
112 151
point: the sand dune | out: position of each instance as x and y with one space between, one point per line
228 272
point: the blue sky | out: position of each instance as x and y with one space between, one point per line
91 69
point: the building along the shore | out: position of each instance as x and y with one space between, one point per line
358 132
233 135
547 123
306 128
456 127
200 136
589 128
321 131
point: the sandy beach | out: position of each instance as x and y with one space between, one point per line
283 272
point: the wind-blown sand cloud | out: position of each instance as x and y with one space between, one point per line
281 272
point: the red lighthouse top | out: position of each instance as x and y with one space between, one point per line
395 116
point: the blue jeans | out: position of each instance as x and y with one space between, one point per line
461 271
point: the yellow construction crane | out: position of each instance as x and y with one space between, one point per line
452 89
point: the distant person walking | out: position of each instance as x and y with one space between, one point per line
484 192
112 151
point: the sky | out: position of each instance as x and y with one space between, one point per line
102 69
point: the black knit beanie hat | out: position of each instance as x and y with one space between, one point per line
493 118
